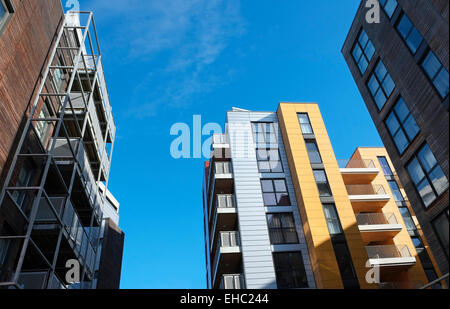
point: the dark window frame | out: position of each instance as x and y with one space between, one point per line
363 54
405 39
401 126
268 150
380 84
283 230
290 269
380 158
309 123
416 157
444 213
275 192
266 134
383 4
432 79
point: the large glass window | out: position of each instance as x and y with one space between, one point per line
23 180
441 227
427 175
282 228
437 73
305 124
398 196
363 51
389 7
322 183
269 160
385 166
407 218
402 126
313 152
334 225
4 245
380 85
290 270
275 192
409 33
264 132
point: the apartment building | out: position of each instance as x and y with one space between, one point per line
401 66
56 139
280 211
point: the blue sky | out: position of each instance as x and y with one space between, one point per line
167 60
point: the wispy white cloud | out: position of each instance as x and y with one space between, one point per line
191 34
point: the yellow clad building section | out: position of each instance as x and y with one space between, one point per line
323 258
415 274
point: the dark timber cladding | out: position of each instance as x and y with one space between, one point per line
427 105
24 47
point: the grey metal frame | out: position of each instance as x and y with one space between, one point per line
85 56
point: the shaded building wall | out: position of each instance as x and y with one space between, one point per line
111 258
430 111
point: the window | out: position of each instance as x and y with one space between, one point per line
402 126
440 225
43 127
264 132
4 245
322 183
275 192
380 85
23 181
398 196
363 51
409 33
282 229
334 225
313 152
385 166
305 124
345 264
407 218
427 175
269 161
389 7
290 270
5 11
437 73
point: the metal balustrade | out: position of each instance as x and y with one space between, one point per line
376 218
365 189
356 163
232 282
387 251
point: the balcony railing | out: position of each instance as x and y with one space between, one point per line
356 163
225 201
388 252
220 139
400 285
232 282
365 189
222 168
376 219
226 240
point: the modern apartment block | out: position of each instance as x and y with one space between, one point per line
401 66
56 138
280 211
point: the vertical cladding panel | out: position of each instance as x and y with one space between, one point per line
256 250
252 217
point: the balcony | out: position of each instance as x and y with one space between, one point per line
232 282
227 258
378 226
406 285
220 181
367 197
220 147
358 171
390 255
225 215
